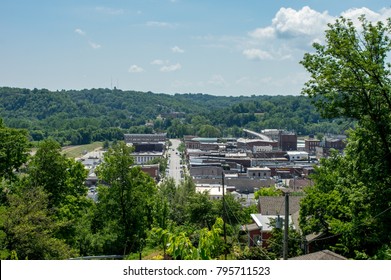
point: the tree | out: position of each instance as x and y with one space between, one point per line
270 191
58 175
351 79
275 242
201 211
14 148
29 229
126 203
63 181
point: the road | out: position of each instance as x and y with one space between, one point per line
174 166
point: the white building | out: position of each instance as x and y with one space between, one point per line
297 155
145 157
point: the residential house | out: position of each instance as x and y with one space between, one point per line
320 255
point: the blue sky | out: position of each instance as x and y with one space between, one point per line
227 48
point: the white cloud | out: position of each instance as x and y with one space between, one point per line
80 32
257 54
171 68
260 33
177 49
135 69
305 22
94 45
370 15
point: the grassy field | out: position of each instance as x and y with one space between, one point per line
77 151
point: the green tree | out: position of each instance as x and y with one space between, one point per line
14 148
350 78
208 130
28 228
275 242
201 210
62 178
126 203
270 191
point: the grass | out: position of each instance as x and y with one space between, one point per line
147 254
77 151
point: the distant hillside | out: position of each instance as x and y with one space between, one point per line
82 116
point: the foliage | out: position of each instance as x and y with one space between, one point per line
210 244
275 242
62 178
252 253
13 150
270 191
126 204
29 230
79 117
350 78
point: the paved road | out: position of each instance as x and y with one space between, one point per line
174 166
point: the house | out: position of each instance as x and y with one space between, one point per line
270 208
320 255
262 230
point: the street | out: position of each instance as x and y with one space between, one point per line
174 161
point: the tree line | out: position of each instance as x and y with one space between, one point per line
80 117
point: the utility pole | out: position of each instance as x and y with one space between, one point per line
224 215
286 226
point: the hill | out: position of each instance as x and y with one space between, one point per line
81 116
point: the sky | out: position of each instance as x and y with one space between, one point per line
225 48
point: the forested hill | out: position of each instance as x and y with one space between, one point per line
82 116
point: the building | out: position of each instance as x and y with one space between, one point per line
310 145
263 227
297 155
249 144
259 172
320 255
148 147
327 144
152 170
145 157
214 191
288 141
142 138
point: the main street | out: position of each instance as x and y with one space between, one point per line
174 157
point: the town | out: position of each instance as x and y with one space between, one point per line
272 158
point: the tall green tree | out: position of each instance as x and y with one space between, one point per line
61 177
350 78
126 201
14 149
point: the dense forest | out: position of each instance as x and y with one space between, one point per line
80 117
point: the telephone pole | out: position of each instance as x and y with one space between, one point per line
224 215
286 226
